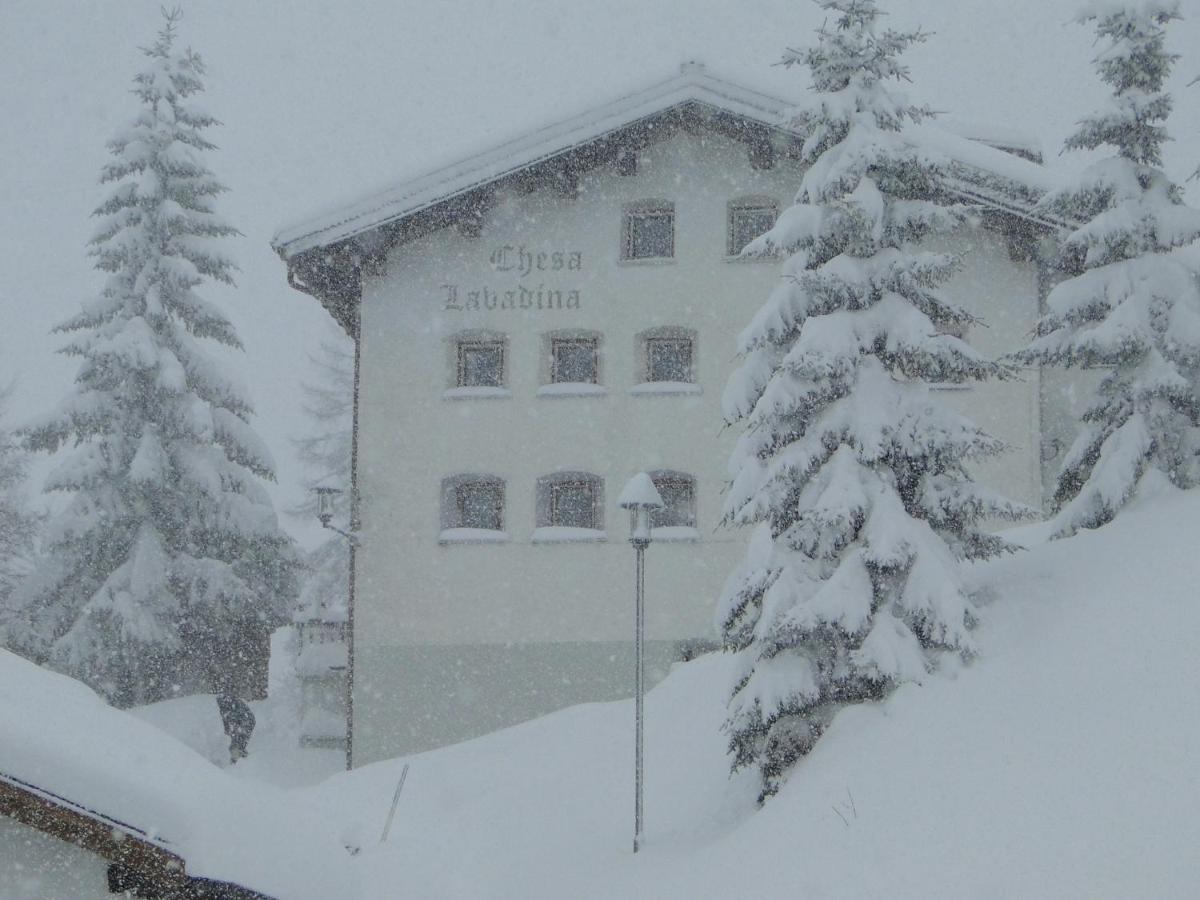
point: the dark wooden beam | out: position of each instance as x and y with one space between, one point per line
762 153
627 162
473 208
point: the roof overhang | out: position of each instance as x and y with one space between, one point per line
328 253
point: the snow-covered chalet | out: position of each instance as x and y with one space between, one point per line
536 324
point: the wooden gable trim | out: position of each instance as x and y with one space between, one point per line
333 273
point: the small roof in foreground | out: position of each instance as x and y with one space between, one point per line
62 743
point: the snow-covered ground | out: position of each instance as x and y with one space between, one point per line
1064 762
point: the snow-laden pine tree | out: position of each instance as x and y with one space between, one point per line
850 469
18 524
326 453
168 560
1134 306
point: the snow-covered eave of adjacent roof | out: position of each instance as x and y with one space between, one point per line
61 744
692 85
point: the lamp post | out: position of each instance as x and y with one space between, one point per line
639 497
326 497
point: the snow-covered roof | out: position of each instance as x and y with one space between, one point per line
62 744
989 152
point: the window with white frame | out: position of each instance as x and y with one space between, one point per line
678 493
749 218
473 502
649 230
480 362
574 359
570 500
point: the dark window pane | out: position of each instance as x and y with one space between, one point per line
480 505
748 222
573 361
669 359
573 504
481 364
651 235
678 503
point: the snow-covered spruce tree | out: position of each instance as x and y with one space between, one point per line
849 468
326 454
169 556
1134 307
18 524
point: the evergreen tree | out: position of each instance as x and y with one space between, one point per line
326 453
849 468
169 556
18 525
1132 306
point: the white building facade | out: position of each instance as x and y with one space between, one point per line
536 325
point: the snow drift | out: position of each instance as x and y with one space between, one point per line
1065 761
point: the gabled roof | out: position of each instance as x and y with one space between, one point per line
692 85
326 253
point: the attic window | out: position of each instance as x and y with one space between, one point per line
649 230
750 218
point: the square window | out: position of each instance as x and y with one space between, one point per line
668 359
650 234
480 504
573 504
748 222
573 360
481 364
679 503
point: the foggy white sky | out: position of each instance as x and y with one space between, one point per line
322 102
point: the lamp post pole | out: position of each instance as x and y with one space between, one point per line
639 497
639 546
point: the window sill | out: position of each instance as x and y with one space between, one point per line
665 388
669 533
572 389
753 258
561 534
472 536
647 261
475 393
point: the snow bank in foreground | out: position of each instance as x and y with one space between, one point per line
1063 763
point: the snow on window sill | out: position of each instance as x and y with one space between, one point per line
647 261
674 533
752 258
572 389
475 392
659 388
562 534
472 536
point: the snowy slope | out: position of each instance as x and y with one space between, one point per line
1065 762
